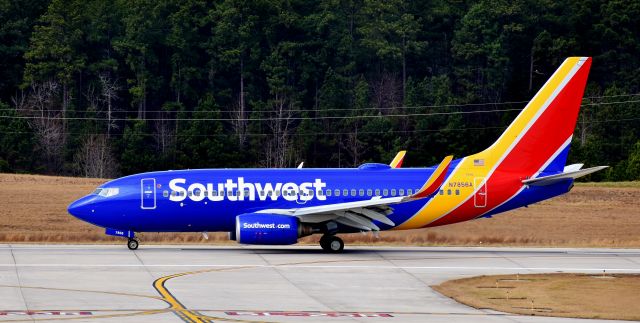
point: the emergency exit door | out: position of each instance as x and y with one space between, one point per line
480 197
148 193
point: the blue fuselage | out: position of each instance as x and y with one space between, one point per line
150 202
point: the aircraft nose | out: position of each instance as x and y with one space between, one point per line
81 208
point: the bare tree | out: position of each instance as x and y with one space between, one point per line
277 147
353 146
42 106
109 94
387 92
239 119
164 134
95 158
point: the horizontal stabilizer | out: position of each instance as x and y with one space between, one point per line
572 168
552 179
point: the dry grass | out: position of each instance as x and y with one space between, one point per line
565 295
33 209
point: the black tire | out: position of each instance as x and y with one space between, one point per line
323 242
132 244
331 244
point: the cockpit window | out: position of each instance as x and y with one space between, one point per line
107 192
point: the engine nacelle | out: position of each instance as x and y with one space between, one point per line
267 229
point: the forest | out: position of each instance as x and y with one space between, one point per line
98 88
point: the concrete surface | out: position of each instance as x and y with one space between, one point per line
109 283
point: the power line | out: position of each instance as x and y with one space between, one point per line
292 118
324 133
465 105
270 119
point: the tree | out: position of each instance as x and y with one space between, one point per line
17 19
95 159
136 154
16 141
54 49
391 33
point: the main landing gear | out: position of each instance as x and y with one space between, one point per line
133 244
331 243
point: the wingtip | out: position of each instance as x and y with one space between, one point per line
435 181
398 159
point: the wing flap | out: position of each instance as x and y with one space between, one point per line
361 214
374 215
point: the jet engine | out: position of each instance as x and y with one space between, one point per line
269 229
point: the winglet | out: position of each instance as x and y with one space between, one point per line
397 161
435 181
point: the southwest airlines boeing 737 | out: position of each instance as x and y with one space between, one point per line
278 206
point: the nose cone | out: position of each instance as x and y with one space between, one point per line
82 208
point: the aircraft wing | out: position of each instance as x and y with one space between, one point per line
360 214
568 173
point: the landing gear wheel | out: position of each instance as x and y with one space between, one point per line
331 244
132 244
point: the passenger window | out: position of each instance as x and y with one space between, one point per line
337 192
457 192
401 192
361 192
165 193
377 192
345 192
448 192
393 192
369 192
385 192
409 192
328 192
173 193
441 192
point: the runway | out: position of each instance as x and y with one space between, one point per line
109 283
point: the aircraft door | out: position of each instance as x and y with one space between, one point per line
480 197
148 193
302 196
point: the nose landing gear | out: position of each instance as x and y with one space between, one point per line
132 244
331 243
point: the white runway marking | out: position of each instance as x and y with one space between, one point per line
265 278
246 266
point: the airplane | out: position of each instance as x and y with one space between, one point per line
525 165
